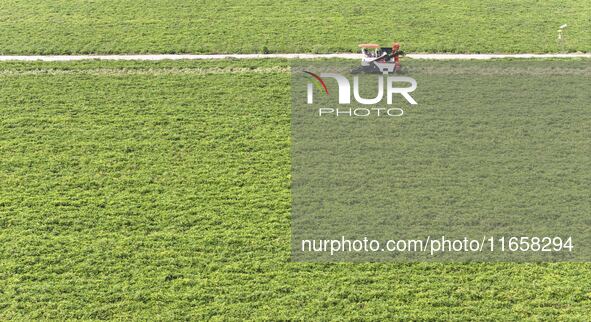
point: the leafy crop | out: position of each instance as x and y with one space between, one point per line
168 26
161 190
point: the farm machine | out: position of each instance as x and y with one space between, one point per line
378 59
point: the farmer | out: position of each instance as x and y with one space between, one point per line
396 52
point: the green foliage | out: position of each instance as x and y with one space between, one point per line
160 190
214 26
492 148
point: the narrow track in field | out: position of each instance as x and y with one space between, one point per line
156 57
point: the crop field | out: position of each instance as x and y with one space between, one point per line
168 26
161 190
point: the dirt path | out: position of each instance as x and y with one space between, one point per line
288 56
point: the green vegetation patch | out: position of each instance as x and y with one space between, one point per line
168 26
157 195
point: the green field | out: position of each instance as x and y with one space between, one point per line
493 148
160 191
168 26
